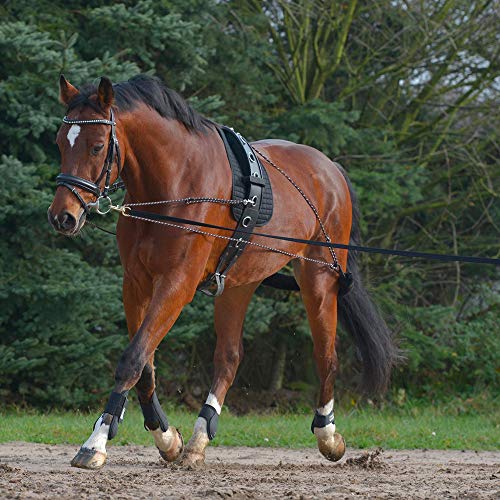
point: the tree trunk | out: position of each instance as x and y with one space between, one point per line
278 368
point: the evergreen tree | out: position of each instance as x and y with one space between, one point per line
403 94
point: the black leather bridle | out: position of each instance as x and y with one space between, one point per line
73 181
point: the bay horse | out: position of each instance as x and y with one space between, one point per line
163 150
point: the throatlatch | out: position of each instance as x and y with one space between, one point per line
154 416
212 417
320 421
116 408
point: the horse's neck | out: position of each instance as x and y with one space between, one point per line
164 160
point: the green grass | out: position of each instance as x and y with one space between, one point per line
417 427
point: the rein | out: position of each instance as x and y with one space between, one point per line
175 222
168 220
70 181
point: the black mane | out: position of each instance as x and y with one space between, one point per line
152 92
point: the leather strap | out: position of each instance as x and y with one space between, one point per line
77 194
65 179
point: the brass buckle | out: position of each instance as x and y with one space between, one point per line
121 208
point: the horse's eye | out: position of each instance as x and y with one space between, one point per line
96 149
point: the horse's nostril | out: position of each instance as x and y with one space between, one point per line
67 221
53 220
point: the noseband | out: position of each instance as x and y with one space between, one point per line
73 181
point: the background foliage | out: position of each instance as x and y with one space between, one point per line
403 93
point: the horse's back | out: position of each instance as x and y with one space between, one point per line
317 175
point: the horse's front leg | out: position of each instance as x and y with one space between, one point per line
167 438
135 366
230 309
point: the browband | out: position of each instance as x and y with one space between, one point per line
102 121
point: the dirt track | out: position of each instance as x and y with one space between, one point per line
36 470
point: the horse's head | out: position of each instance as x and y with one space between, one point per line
90 158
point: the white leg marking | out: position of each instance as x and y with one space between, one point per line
325 433
73 133
163 440
330 444
212 401
199 440
98 439
327 409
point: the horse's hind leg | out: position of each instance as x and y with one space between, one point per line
319 293
230 310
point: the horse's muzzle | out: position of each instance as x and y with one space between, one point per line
66 223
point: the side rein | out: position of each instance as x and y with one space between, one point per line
71 181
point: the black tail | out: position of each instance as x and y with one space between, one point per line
360 317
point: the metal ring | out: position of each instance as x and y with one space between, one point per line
253 200
98 205
255 174
246 221
251 157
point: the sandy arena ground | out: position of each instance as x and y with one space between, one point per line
41 471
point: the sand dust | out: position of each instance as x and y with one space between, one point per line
41 471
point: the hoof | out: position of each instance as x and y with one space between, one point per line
334 448
89 459
192 459
173 453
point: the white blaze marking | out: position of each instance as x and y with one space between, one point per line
212 401
98 439
73 133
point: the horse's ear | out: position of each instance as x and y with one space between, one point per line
105 93
66 91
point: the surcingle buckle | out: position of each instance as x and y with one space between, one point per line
213 286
